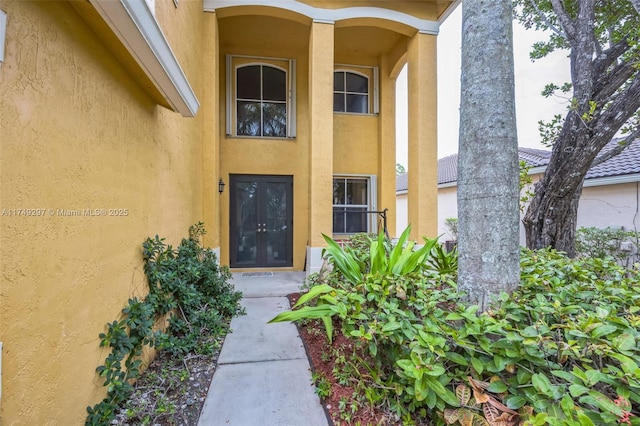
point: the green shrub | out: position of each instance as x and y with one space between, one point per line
563 349
190 287
607 242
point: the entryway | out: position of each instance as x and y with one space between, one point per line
261 221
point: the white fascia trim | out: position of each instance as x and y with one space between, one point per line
601 181
612 180
448 184
449 11
332 15
537 170
136 27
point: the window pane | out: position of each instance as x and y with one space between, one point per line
338 221
358 103
357 191
338 102
248 82
274 84
248 118
338 191
357 83
338 81
274 120
356 220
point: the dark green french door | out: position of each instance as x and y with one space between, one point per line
261 221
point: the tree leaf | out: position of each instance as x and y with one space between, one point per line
497 386
463 393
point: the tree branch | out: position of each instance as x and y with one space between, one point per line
564 18
610 82
546 20
636 5
623 106
609 56
618 149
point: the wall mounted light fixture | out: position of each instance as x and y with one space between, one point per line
221 186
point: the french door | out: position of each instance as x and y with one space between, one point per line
261 221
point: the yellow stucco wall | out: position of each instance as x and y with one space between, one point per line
79 133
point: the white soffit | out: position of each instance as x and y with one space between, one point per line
332 15
136 27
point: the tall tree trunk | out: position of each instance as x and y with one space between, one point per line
488 154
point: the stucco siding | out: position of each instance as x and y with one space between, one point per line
610 206
84 143
401 214
447 207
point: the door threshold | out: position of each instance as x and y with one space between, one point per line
256 274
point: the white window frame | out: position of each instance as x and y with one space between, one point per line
372 200
285 64
373 76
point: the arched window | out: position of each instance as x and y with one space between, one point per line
350 92
261 101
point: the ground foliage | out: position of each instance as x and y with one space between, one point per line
189 290
564 349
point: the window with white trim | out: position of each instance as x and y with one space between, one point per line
353 197
355 89
260 97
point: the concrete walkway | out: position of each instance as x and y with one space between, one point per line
263 376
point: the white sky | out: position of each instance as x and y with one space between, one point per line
531 78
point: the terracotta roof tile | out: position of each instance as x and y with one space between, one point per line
627 162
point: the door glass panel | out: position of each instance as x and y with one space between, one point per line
246 221
277 223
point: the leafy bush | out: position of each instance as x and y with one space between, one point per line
563 349
451 223
189 287
601 243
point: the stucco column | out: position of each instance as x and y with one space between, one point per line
387 145
423 146
210 135
321 41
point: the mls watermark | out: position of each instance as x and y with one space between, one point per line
58 212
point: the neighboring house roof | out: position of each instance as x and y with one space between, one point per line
534 157
625 163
